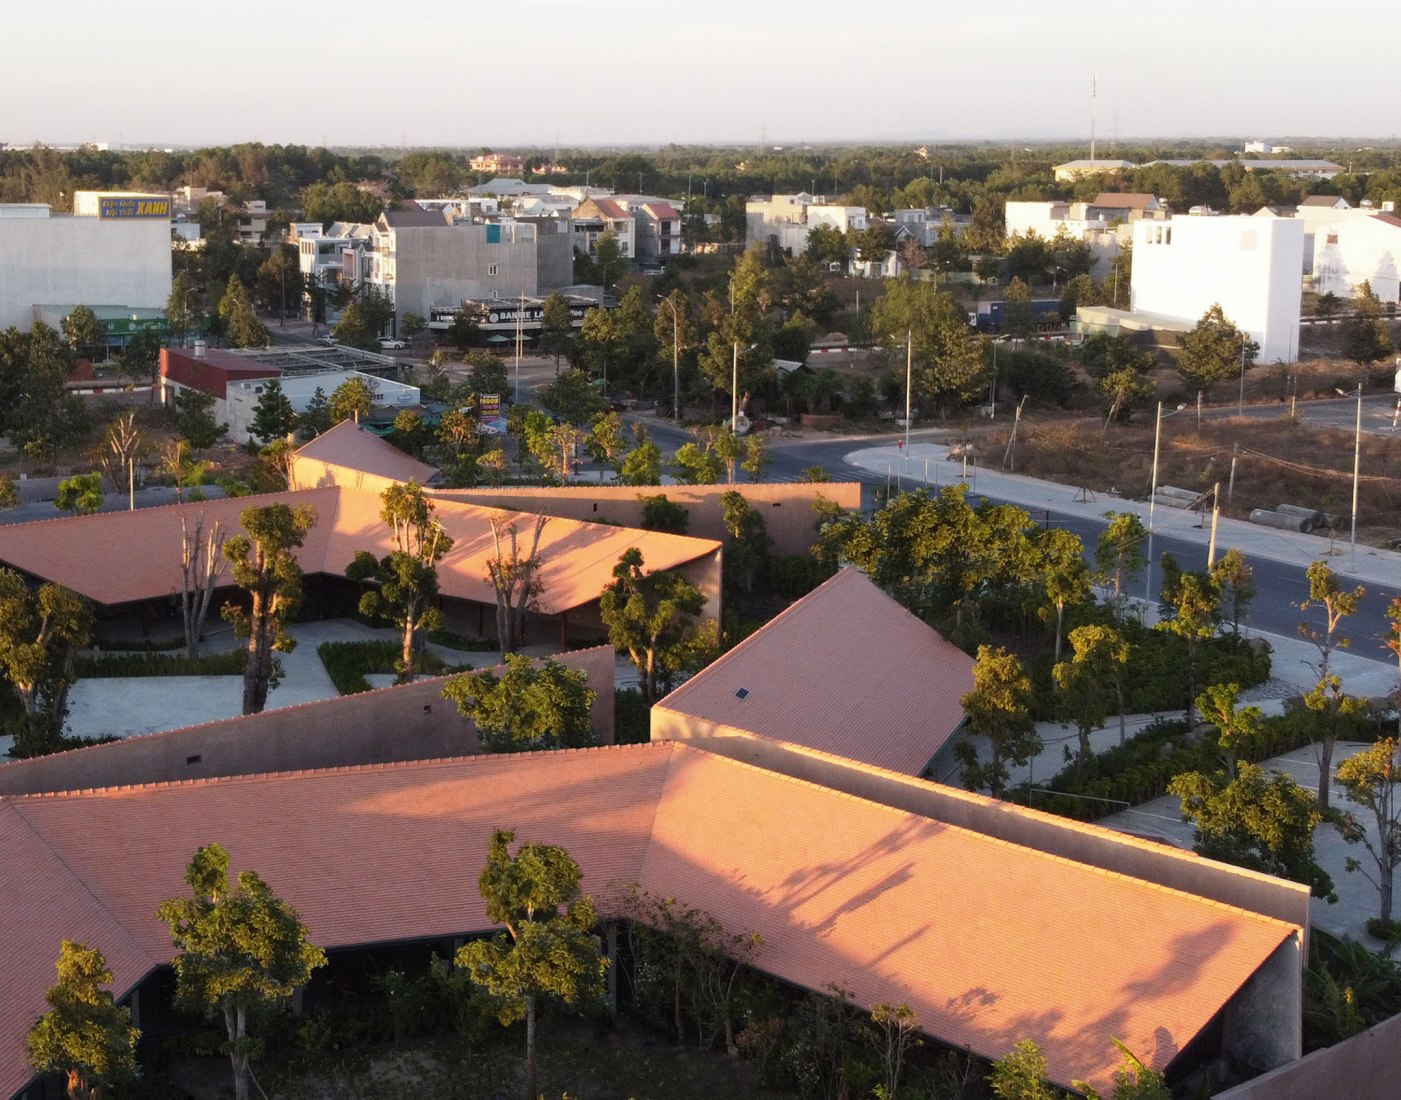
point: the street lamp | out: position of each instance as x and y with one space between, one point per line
909 378
1153 499
1356 468
675 360
1240 398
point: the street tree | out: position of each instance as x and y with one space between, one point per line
1369 778
1237 728
609 263
654 618
514 575
1124 391
122 445
674 332
242 952
264 565
9 494
85 1035
141 360
1060 564
1263 822
531 707
1234 578
947 358
40 633
404 583
1091 683
1365 334
572 397
748 548
556 327
1214 351
182 312
1393 630
80 494
643 464
82 331
549 948
201 565
1018 320
194 419
756 457
241 324
605 443
1194 604
351 400
999 710
273 417
1333 709
354 329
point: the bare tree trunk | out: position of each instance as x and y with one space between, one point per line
530 1093
407 656
257 673
1325 766
236 1023
201 563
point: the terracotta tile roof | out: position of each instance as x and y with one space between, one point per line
1027 946
662 211
350 446
1123 200
845 670
116 557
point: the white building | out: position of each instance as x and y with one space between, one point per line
1351 250
119 254
1250 266
1104 224
241 397
788 219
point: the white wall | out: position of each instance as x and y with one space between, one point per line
1251 266
241 404
1347 252
85 261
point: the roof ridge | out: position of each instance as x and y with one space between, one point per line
108 516
292 773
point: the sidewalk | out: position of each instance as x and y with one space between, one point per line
1373 566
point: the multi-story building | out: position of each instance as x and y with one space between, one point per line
595 216
1249 266
1350 251
1104 224
497 163
114 250
786 220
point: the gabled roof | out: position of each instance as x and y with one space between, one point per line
605 208
350 446
845 670
1328 202
989 942
662 211
118 557
414 217
1125 200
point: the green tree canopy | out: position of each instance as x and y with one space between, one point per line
242 950
948 361
351 400
40 633
83 331
1214 351
80 494
998 709
85 1034
273 417
242 326
654 618
544 706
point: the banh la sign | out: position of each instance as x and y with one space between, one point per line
133 207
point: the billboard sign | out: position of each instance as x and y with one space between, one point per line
128 207
490 407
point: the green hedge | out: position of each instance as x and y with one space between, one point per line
450 640
348 663
632 718
161 664
1140 770
148 646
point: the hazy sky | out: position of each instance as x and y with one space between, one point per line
355 72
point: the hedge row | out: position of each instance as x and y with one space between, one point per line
161 664
348 663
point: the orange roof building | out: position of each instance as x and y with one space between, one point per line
349 455
990 942
846 670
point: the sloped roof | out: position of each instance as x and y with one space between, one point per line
1125 200
351 446
845 670
1026 946
1329 202
662 211
414 218
118 557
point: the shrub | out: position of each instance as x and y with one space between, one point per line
632 718
793 576
348 663
161 664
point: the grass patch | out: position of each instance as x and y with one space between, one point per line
161 664
348 663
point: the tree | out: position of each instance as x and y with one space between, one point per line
653 618
556 327
201 565
1262 822
141 360
82 331
947 359
175 463
1018 321
351 400
572 397
1091 681
463 333
1120 549
488 375
515 577
1214 351
354 329
405 580
1365 335
9 495
194 419
748 549
242 951
1327 700
549 949
1060 561
756 457
1195 604
85 1034
1021 1074
531 707
274 417
661 514
828 245
317 417
605 442
240 323
40 634
1232 575
999 709
1370 780
609 263
182 307
80 494
643 464
265 566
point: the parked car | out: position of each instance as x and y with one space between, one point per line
392 343
326 338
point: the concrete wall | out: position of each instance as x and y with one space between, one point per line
1362 1068
1286 901
1347 252
1250 266
1264 1023
81 261
785 506
407 722
312 473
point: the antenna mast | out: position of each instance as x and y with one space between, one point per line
1094 95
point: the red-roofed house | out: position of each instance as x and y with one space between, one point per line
846 670
659 236
990 942
594 217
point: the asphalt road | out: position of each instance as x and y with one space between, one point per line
1280 587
